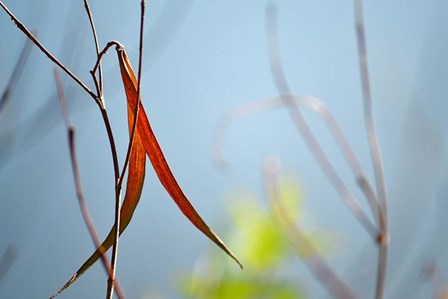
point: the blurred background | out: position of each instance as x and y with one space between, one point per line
202 59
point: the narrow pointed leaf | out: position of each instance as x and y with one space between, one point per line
134 185
157 158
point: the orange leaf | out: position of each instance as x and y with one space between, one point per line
144 142
157 158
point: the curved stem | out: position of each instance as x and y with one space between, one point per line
302 126
299 102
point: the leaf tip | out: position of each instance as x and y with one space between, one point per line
71 280
239 263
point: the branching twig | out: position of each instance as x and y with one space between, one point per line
99 88
46 52
96 98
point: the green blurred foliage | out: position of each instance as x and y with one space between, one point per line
262 247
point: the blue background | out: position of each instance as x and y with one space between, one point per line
201 59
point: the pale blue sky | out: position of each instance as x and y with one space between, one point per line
201 59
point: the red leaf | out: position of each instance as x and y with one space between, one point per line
144 142
157 158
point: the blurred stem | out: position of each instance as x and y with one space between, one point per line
17 71
383 238
299 102
7 260
303 128
312 259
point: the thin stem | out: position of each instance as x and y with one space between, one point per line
368 115
112 272
111 141
131 142
99 87
97 47
383 239
77 178
104 114
113 269
46 52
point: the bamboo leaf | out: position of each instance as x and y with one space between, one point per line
157 158
145 143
